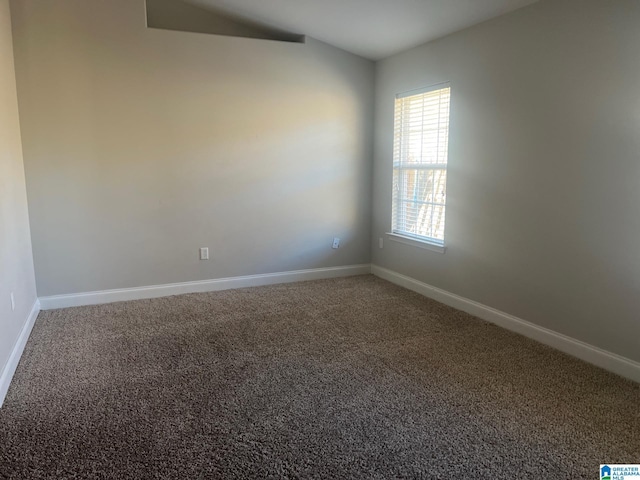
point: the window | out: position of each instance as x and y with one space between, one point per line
421 143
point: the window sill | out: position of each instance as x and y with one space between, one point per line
417 243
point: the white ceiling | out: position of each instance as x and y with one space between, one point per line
373 29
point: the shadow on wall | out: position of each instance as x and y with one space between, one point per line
184 17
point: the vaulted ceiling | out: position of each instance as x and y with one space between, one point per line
373 29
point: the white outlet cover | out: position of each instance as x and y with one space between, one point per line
204 253
336 242
13 302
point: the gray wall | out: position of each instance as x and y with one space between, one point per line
543 220
142 145
16 263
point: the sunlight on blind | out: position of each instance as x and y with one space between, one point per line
421 143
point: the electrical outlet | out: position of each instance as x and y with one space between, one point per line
336 243
204 253
381 242
13 302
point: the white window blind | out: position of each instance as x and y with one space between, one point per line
421 143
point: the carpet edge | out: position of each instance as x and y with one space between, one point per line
16 353
199 286
599 357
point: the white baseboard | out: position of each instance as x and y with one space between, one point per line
609 361
154 291
14 359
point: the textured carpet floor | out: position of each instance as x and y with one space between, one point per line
344 378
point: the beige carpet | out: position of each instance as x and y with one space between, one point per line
344 378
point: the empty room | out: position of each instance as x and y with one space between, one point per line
319 239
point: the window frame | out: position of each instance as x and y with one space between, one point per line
397 234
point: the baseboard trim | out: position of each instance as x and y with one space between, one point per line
18 348
609 361
155 291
